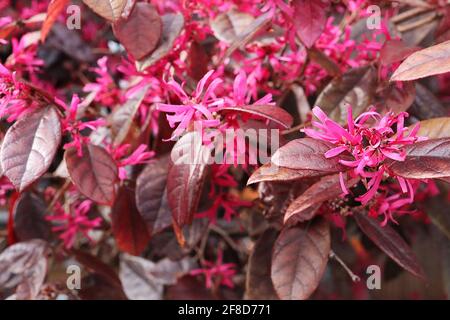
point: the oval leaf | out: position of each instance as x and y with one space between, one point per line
390 243
30 146
172 25
186 178
151 195
108 9
94 174
229 25
355 87
425 160
299 259
140 33
307 154
435 128
55 7
426 62
29 218
309 19
128 228
271 172
327 188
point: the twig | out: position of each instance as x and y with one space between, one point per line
58 195
353 276
408 14
227 239
293 129
416 24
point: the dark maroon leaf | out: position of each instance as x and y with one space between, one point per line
24 266
395 51
399 99
355 87
141 31
186 178
426 105
30 146
307 154
151 195
299 258
259 284
425 160
69 42
273 113
128 227
108 9
197 61
29 218
94 264
327 188
310 17
55 7
390 243
95 174
172 25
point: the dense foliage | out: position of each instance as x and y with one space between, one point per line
113 114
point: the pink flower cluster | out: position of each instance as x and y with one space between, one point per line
74 222
370 139
217 271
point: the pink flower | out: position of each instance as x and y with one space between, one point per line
75 222
200 106
105 89
74 126
23 58
15 96
139 156
370 140
221 272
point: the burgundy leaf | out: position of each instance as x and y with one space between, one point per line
390 243
307 154
172 25
29 218
271 172
95 174
259 284
151 195
122 117
186 178
355 87
128 227
425 160
310 17
30 146
55 7
395 51
426 62
299 258
108 9
228 26
94 264
399 99
141 31
24 266
327 188
426 105
273 113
